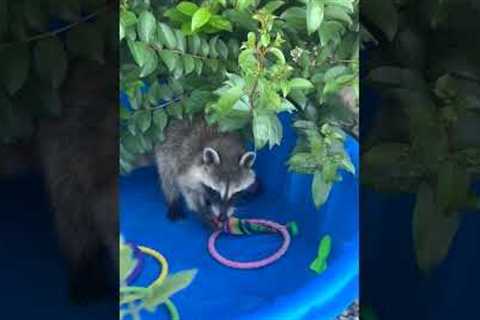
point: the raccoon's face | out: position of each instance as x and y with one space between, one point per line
224 178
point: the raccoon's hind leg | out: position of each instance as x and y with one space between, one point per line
82 249
167 172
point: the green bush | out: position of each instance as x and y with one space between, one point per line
239 64
35 59
426 140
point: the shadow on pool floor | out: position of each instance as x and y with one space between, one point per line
33 274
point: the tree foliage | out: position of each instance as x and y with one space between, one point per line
38 41
240 64
426 140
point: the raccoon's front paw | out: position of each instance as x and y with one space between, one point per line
175 214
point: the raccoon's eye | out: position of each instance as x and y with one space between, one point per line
212 193
238 196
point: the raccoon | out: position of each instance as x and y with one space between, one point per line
78 156
208 168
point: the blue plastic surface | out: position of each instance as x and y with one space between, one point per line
33 275
288 289
391 282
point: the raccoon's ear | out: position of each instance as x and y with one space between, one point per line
211 156
248 159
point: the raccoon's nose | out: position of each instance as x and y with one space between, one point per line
223 217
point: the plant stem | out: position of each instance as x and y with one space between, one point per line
57 31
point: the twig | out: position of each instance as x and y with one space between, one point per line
57 31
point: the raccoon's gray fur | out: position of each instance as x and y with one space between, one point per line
205 166
78 156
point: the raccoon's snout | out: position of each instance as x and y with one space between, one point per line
223 217
222 213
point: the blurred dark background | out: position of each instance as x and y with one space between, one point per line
419 130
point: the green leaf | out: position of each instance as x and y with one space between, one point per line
287 106
273 6
14 67
222 49
127 18
295 18
241 18
320 189
124 113
181 41
127 261
247 61
135 97
205 48
315 12
147 26
228 98
169 58
220 23
50 61
138 50
433 231
189 64
347 164
198 66
278 54
197 101
334 72
194 44
330 31
176 16
337 13
267 128
213 47
329 171
86 42
453 185
160 119
244 4
166 36
36 15
154 94
173 284
187 8
382 14
345 4
200 18
176 87
150 60
121 32
300 83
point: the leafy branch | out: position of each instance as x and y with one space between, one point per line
431 152
55 32
229 61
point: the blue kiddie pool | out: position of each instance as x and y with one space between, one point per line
287 289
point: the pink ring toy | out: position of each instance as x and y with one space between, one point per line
253 264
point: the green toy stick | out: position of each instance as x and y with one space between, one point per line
319 265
